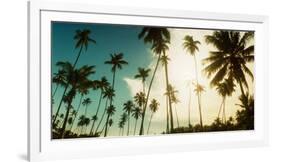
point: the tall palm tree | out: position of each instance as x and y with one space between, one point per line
109 93
165 59
80 123
158 38
128 107
82 40
86 102
67 69
137 113
77 79
142 74
110 112
116 61
226 88
234 51
191 46
154 106
102 84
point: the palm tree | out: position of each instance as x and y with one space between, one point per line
94 119
77 79
137 112
109 93
140 99
191 46
165 60
59 79
123 120
245 117
158 38
121 125
234 51
86 102
67 69
110 112
142 74
80 123
117 62
154 105
102 84
128 107
174 100
82 40
110 123
224 89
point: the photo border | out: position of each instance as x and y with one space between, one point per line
35 9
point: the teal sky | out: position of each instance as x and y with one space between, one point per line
110 39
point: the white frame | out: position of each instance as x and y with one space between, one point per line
40 147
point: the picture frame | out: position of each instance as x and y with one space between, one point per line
42 147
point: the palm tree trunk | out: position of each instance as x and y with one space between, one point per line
135 126
58 110
102 116
177 116
169 97
128 129
57 85
224 112
81 98
86 109
167 116
91 131
65 119
147 96
106 125
66 87
149 123
241 88
198 95
189 107
220 107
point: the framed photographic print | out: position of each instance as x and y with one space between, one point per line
107 81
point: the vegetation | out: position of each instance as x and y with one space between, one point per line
226 66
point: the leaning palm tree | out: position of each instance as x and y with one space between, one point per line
224 89
137 113
86 102
80 123
110 123
142 74
59 79
102 84
154 106
77 79
234 51
82 40
159 38
191 46
140 99
109 93
110 112
128 107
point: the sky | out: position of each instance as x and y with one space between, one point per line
124 38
